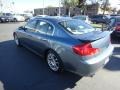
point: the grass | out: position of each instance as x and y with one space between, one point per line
97 25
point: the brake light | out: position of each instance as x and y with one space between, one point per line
85 49
117 28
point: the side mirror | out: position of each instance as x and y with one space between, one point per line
22 28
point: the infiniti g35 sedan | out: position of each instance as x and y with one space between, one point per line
66 44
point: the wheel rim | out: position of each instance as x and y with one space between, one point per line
16 40
53 62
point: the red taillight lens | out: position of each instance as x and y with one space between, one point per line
85 49
117 28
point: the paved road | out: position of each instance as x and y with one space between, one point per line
22 70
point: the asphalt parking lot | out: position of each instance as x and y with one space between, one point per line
20 69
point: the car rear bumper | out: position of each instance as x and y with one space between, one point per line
89 67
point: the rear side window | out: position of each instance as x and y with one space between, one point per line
44 28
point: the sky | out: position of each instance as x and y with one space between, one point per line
22 5
31 4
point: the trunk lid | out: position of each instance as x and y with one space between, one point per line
92 36
98 39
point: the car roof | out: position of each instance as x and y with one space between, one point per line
54 18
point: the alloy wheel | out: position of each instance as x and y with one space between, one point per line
53 62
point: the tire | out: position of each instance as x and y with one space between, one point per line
15 20
54 61
16 40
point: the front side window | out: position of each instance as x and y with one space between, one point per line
44 28
76 26
31 24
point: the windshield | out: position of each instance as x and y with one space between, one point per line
76 26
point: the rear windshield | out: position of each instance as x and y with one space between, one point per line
76 26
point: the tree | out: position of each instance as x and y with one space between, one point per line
69 4
81 3
104 4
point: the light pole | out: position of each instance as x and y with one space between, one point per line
13 3
43 8
59 7
1 5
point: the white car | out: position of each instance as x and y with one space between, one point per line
18 17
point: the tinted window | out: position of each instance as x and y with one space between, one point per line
44 28
76 26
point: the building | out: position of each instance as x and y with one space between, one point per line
53 11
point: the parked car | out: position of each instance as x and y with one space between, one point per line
83 17
66 44
5 17
27 16
115 26
8 17
18 18
99 19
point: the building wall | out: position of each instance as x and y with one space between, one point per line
53 11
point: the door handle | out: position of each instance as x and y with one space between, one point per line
44 39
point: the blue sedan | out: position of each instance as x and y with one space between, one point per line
66 44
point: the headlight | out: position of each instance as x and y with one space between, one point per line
2 18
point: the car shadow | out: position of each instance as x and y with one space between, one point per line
114 63
22 70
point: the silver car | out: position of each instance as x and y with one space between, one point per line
66 44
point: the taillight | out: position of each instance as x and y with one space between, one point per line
117 28
85 49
